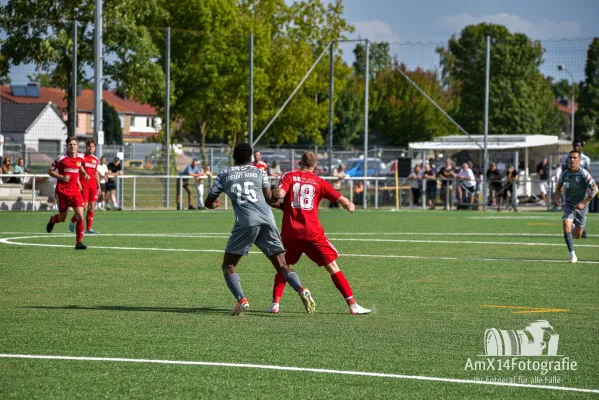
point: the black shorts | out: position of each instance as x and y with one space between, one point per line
110 185
102 187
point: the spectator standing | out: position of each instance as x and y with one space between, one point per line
543 172
205 172
339 174
114 169
467 185
429 176
510 186
447 174
494 180
102 170
415 179
191 170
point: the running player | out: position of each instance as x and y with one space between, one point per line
580 189
66 169
91 188
249 190
302 232
585 163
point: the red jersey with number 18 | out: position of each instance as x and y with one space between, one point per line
68 166
304 190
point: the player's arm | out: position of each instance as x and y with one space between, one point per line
212 201
590 196
84 172
345 203
558 194
54 174
98 180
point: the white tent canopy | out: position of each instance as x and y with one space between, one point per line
494 142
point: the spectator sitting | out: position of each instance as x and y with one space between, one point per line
494 180
8 170
415 179
467 186
431 184
21 170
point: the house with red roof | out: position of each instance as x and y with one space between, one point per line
138 120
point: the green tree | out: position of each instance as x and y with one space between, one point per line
587 118
113 134
520 99
562 89
40 32
379 59
44 79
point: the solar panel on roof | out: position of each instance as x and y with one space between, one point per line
19 90
32 91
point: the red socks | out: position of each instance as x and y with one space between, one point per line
343 286
278 288
89 219
79 228
55 219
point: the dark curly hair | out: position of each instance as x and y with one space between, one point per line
242 153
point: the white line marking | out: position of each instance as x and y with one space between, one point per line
9 241
298 369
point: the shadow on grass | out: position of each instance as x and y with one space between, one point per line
195 310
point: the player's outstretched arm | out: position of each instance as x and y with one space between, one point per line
558 195
212 201
279 193
345 203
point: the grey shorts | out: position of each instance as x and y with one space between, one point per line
266 237
578 216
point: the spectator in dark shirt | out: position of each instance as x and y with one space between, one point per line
494 180
431 185
447 174
510 186
114 169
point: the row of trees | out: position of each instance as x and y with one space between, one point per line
210 74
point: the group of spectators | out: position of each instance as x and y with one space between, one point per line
468 180
10 173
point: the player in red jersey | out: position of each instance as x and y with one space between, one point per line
91 188
66 169
258 163
302 233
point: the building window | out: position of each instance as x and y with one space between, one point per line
122 118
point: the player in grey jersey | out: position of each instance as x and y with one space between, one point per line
580 189
585 163
249 190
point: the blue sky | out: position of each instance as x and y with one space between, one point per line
428 20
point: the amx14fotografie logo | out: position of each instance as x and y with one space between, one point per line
532 349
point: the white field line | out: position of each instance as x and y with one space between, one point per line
227 234
10 241
298 369
536 244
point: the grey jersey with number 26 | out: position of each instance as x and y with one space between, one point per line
243 184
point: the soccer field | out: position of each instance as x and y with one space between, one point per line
144 312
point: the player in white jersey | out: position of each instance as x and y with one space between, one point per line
580 189
249 190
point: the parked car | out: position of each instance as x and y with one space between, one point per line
355 167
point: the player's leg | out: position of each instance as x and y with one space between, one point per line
293 253
324 254
269 241
567 221
76 202
233 281
63 210
89 203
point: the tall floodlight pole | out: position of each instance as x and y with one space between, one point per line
98 133
486 151
366 79
331 99
74 83
251 94
561 67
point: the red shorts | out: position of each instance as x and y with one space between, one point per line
90 193
65 201
321 251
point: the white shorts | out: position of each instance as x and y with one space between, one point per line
544 185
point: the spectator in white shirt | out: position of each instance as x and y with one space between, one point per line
415 179
467 185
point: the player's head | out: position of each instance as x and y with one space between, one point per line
308 160
577 145
257 156
72 144
90 146
242 153
574 159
